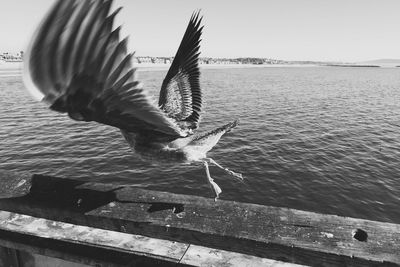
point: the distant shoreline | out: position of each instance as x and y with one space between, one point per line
160 66
353 66
17 66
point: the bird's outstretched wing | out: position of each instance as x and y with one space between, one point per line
77 64
180 95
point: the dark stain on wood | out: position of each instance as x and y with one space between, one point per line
174 207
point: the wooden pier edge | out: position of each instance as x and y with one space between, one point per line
256 231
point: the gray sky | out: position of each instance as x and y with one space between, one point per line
337 30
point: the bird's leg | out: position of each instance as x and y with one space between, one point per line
213 184
228 171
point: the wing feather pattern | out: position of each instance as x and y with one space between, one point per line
180 95
77 64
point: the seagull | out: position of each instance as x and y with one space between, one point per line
77 64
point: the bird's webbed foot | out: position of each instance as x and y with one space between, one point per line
228 171
210 180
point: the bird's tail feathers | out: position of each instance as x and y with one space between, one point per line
210 139
228 127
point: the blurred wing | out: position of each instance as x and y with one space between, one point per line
77 64
180 95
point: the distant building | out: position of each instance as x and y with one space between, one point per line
11 57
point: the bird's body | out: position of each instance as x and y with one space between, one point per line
77 64
186 150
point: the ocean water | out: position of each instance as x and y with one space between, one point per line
321 139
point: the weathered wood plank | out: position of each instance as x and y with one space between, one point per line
136 244
203 256
168 252
269 232
83 254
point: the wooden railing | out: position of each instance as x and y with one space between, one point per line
44 217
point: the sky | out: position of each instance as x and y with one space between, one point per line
321 30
